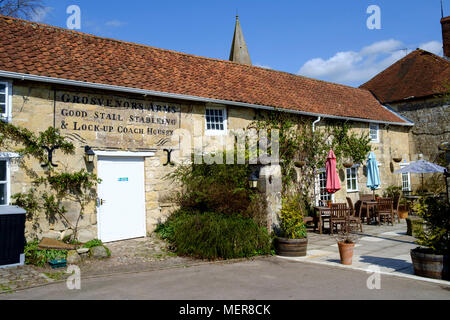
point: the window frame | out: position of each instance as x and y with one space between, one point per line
211 132
374 126
8 181
7 115
347 177
409 178
319 188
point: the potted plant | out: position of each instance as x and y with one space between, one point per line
432 258
300 163
292 240
403 209
348 163
346 243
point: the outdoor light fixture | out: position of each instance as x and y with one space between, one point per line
89 154
254 177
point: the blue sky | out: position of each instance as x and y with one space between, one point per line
323 39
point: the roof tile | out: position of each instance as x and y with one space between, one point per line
419 74
72 55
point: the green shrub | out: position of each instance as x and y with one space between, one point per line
220 188
215 236
392 192
35 256
291 216
97 243
435 214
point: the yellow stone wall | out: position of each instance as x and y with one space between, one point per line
34 108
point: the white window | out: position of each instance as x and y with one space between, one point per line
352 179
216 121
4 182
322 196
374 132
406 179
5 100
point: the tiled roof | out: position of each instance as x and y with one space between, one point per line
36 49
419 74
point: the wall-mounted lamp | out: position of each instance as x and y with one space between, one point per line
254 177
89 154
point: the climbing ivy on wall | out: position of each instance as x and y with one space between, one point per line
54 186
300 144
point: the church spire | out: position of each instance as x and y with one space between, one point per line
239 51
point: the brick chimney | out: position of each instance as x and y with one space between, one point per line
446 35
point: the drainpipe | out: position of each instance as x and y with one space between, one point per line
314 124
315 173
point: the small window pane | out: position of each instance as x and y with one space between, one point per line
3 171
2 98
2 88
2 108
3 195
215 119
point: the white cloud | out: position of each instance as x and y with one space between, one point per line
257 64
433 47
40 14
355 68
115 23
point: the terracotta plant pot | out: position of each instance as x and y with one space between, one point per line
402 213
291 247
346 252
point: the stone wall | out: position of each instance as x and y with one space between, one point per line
393 143
35 108
431 119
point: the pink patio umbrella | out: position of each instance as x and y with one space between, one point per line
333 184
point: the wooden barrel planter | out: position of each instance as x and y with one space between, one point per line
429 265
414 226
291 247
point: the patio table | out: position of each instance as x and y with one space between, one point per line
323 212
370 204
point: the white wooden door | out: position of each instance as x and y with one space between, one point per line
121 205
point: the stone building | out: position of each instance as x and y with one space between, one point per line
131 105
418 88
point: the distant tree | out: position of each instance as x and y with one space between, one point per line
25 9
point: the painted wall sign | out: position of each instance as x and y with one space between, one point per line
113 121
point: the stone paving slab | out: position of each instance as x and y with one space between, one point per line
133 255
386 248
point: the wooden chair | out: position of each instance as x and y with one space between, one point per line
338 216
385 210
354 217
